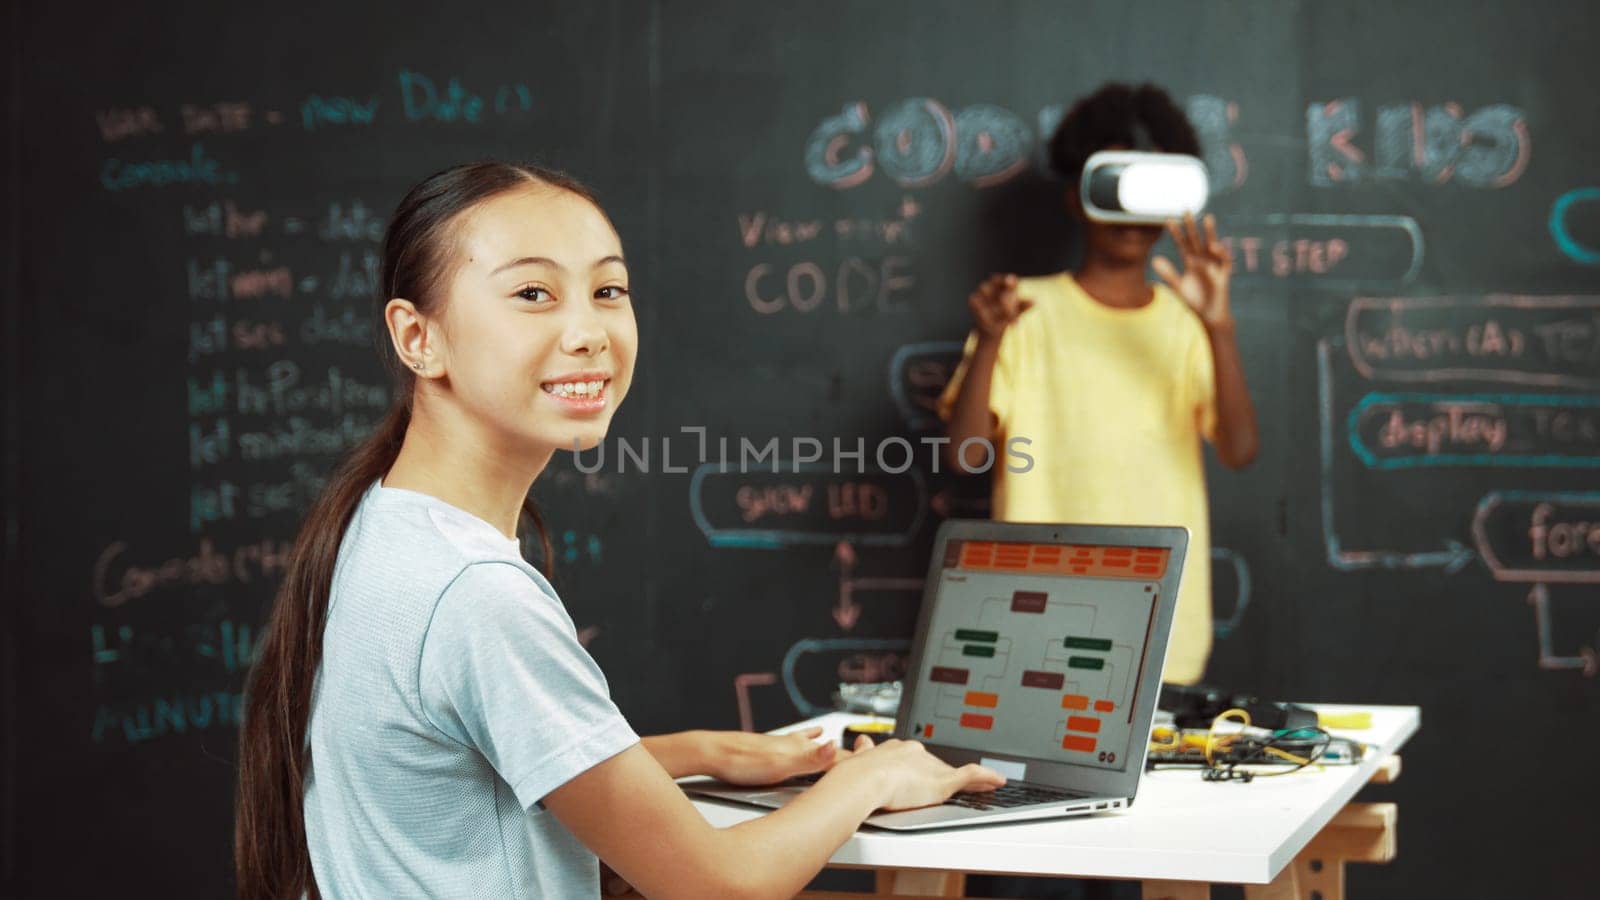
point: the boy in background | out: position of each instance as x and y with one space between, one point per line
1113 381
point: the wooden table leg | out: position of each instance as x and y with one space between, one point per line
1177 890
1285 887
921 882
905 884
1388 770
1361 832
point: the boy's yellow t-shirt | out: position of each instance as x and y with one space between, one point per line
1113 404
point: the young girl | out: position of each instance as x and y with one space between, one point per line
422 720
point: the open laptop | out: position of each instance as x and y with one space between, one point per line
1038 653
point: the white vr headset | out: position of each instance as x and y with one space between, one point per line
1138 188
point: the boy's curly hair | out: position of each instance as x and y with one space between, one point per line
1117 114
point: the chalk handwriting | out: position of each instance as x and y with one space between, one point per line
232 645
1389 431
317 111
1333 250
117 579
180 713
127 122
919 141
1552 341
1487 148
223 117
1539 536
813 505
222 219
855 283
196 168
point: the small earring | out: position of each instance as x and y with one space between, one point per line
417 366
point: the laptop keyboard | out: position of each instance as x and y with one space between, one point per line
1011 795
1008 796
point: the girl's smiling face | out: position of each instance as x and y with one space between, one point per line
539 337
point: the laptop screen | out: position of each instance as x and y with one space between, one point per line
1035 650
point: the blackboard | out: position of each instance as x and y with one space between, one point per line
806 193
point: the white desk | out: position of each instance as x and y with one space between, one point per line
1179 829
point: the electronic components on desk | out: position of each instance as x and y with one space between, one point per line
880 698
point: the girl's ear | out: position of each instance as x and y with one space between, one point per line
411 334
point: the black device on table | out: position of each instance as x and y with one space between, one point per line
1197 706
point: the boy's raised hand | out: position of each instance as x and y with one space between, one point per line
995 305
1207 267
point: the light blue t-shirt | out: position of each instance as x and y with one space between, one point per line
453 696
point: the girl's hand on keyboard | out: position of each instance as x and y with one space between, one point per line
740 757
910 776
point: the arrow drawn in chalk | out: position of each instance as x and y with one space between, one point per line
741 692
1452 559
846 610
1539 599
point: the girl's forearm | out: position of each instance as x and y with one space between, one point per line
787 847
682 753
